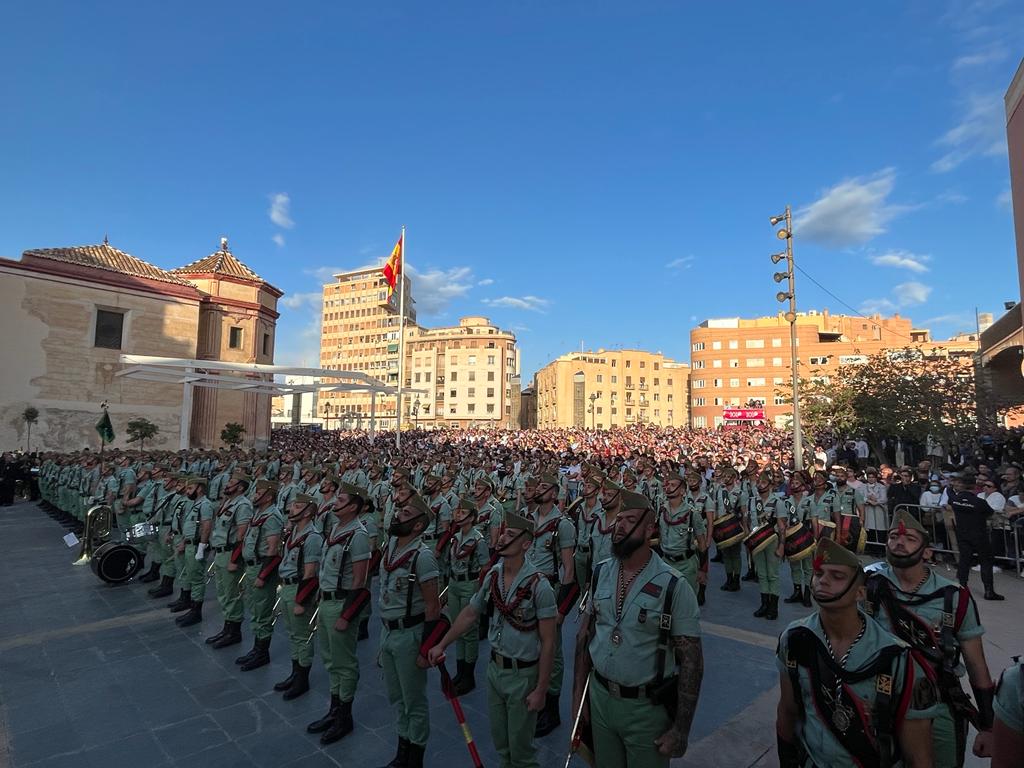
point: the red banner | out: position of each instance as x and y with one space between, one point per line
743 414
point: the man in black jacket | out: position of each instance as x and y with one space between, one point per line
971 513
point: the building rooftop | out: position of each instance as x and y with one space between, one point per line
221 262
106 257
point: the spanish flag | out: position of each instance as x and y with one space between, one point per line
393 268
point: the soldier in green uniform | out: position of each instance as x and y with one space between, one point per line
522 638
821 506
175 540
160 549
142 506
554 542
1006 745
229 527
196 526
768 508
729 499
410 611
638 654
344 599
298 571
681 531
800 513
698 502
588 509
126 482
261 548
220 478
851 693
939 619
490 515
467 558
849 502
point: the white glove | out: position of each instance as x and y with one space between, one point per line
200 551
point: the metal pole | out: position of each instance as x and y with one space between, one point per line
373 415
798 440
185 433
401 345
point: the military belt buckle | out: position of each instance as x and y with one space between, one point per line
615 689
411 577
883 684
947 619
665 621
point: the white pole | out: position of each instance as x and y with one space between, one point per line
373 415
401 346
185 433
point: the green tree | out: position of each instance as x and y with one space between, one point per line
232 433
141 430
30 415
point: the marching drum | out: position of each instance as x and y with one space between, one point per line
116 562
799 542
762 537
728 530
827 530
852 534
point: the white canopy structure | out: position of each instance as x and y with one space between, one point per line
248 377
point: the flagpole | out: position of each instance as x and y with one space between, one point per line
401 345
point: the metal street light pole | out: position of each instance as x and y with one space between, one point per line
786 233
593 410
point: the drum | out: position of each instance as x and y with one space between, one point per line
799 542
852 534
762 537
728 530
116 562
140 532
828 529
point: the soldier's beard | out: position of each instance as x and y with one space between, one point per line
905 561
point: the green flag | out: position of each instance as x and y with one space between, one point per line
105 428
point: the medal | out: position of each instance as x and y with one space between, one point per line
616 638
841 717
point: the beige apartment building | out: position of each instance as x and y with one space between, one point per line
359 332
611 388
461 376
71 313
745 362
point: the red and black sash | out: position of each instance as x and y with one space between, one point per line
463 551
683 519
869 733
509 609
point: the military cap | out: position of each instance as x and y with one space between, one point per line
433 479
467 505
518 523
329 477
903 520
632 500
486 481
267 485
831 553
416 502
351 490
197 480
303 498
596 477
549 479
240 477
608 483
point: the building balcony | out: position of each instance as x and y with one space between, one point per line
643 387
392 348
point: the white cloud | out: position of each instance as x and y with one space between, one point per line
300 300
485 281
960 320
981 131
435 289
911 293
901 259
850 213
280 210
991 54
879 306
530 303
279 239
1003 199
683 262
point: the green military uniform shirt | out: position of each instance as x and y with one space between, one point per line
264 523
233 514
1009 701
679 528
200 511
726 501
467 554
302 548
395 585
767 512
624 644
821 508
553 534
345 545
527 599
848 499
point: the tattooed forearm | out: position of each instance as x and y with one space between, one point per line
581 655
690 656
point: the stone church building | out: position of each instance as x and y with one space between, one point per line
68 314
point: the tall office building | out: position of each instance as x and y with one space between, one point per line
359 332
461 376
611 388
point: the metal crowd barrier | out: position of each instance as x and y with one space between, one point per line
940 524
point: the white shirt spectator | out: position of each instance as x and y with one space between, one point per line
995 499
933 496
862 450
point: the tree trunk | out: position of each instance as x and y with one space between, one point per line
28 440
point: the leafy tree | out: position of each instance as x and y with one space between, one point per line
141 430
30 415
901 392
232 433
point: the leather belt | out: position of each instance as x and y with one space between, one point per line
339 594
404 623
465 576
506 662
222 549
290 581
624 691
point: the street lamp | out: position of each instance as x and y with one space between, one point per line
327 417
786 233
593 409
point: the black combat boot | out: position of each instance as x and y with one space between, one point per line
260 656
735 583
285 684
325 722
807 596
183 603
718 556
232 636
763 610
252 652
214 638
797 596
342 725
751 573
415 758
163 589
152 574
364 630
773 608
465 681
299 685
701 593
401 758
194 616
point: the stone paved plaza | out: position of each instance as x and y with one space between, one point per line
94 676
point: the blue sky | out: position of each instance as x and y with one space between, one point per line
589 172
